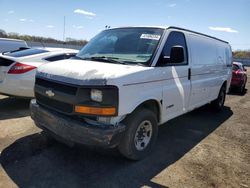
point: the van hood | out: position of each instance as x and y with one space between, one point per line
83 72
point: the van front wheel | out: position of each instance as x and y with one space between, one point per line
218 103
140 135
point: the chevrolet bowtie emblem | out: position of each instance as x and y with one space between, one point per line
50 93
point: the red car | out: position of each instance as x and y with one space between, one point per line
239 77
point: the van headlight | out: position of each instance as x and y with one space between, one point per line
96 95
97 101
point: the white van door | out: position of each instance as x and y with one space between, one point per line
176 85
204 70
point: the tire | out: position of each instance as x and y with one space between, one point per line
218 103
242 89
131 145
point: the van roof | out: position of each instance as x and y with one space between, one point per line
179 28
9 39
174 27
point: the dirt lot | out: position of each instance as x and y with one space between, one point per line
199 149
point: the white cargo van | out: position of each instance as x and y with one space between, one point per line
7 45
127 81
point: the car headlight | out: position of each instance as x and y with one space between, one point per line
96 95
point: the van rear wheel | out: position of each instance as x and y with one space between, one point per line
218 103
140 135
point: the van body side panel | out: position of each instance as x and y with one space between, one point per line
171 81
229 62
167 84
176 86
220 70
136 88
208 69
176 91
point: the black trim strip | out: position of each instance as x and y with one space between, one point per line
189 73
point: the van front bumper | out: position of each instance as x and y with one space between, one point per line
76 131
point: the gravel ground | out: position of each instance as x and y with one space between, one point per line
199 149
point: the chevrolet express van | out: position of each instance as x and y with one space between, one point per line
127 81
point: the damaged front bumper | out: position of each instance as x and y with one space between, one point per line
76 131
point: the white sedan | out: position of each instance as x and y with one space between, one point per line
18 68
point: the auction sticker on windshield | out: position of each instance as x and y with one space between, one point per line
150 36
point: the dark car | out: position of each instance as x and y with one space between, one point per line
239 77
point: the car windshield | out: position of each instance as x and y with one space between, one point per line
235 67
123 45
22 53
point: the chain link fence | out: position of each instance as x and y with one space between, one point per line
244 61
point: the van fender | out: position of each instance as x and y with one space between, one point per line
141 102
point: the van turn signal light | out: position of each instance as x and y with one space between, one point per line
106 111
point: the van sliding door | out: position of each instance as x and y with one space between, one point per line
204 66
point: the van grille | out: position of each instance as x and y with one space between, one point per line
71 90
55 104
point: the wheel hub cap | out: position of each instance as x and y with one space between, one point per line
143 135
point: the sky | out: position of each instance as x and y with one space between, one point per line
225 19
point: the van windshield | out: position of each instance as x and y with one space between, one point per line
123 45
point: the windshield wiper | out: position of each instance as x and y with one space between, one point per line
106 59
109 60
76 57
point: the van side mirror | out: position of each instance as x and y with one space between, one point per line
177 54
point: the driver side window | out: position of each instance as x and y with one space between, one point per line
175 38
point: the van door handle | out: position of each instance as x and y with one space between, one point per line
189 73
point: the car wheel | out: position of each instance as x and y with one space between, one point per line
218 103
140 135
242 88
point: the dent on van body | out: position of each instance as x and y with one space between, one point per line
86 72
